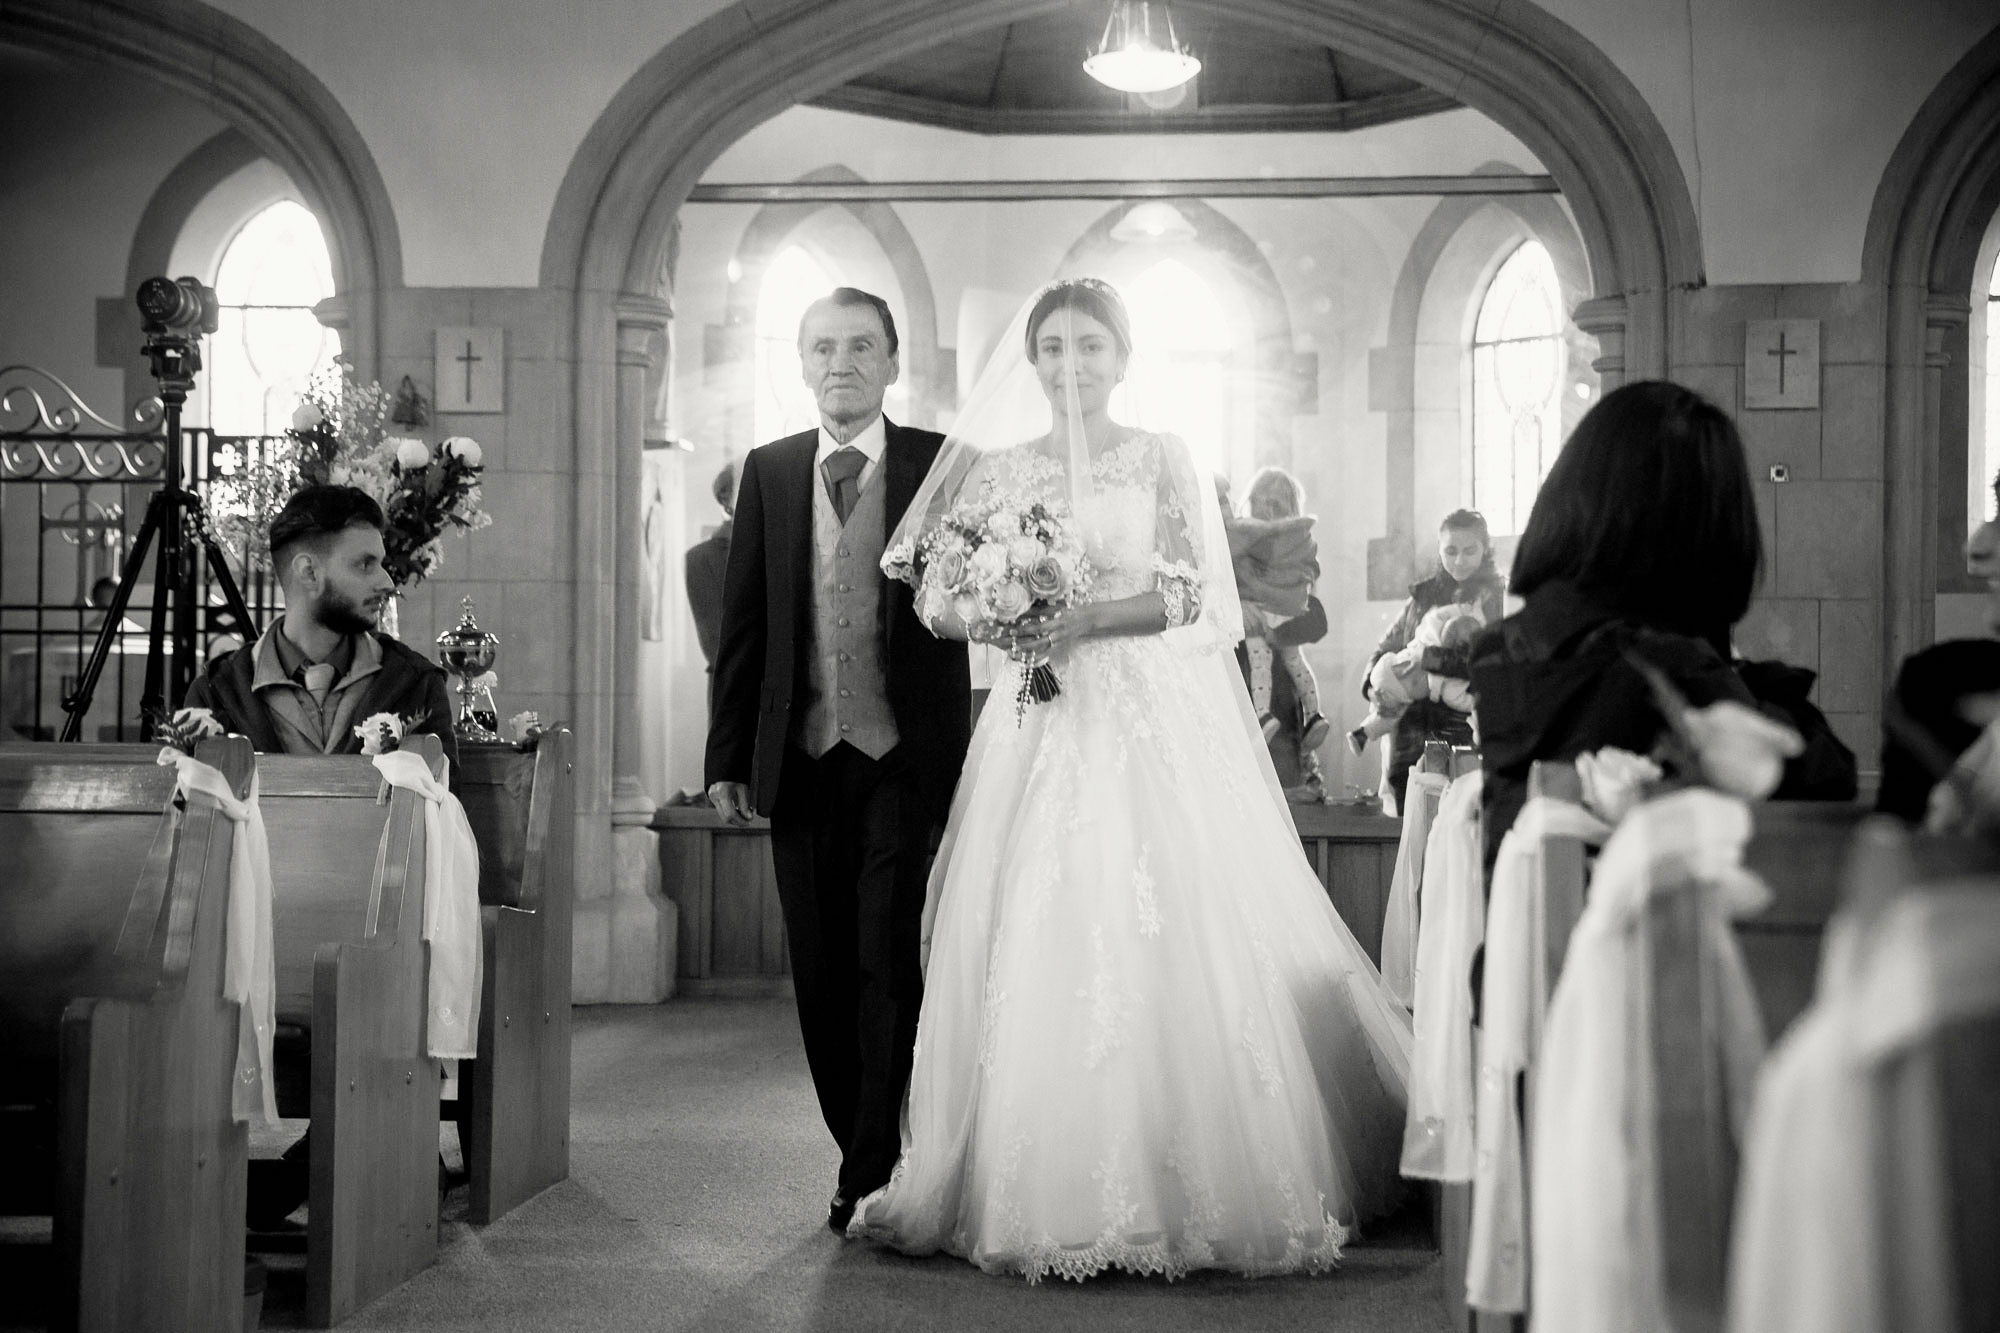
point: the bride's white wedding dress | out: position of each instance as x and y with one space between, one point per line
1147 1040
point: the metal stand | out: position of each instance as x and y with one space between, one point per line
169 309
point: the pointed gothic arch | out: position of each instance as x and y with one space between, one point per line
1932 211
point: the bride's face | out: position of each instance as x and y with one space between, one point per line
1072 345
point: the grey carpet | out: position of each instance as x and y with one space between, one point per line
699 1173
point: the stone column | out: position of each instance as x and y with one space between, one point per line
1604 318
626 943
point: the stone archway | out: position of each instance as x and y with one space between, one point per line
277 105
613 219
1936 200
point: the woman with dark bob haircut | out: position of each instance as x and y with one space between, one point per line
1642 541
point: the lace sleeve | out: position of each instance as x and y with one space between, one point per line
1177 549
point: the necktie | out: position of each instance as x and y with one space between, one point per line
318 680
843 479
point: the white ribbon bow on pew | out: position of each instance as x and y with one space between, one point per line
451 907
1511 1017
1399 919
1848 1109
1437 1134
249 958
1594 1161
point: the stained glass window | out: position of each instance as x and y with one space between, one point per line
1518 370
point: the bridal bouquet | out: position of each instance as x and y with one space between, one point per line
995 561
338 436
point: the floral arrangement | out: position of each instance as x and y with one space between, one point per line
382 733
994 561
524 729
185 728
338 436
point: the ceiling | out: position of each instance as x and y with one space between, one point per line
1027 78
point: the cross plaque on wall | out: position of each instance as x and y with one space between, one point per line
1781 363
471 370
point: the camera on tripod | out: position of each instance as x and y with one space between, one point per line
170 304
174 313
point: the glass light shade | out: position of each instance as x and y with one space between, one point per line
1154 221
1134 57
1141 71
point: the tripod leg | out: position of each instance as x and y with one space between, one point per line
114 615
167 572
232 596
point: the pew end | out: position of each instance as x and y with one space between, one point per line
522 807
348 869
119 1050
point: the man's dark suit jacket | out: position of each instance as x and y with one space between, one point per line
763 670
408 685
707 563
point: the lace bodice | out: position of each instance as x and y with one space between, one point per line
1134 523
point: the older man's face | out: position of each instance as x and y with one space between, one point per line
844 351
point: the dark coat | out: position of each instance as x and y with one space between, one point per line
1553 682
706 564
763 669
408 685
1930 686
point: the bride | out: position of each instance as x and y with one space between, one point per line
1147 1040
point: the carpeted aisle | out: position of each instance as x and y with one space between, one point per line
699 1173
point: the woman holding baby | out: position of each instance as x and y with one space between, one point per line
1416 684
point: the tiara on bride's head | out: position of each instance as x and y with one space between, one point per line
1098 285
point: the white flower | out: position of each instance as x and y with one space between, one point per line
1011 600
1025 551
464 448
339 474
524 725
1614 781
412 454
990 560
380 733
1004 523
1742 752
197 721
307 416
966 607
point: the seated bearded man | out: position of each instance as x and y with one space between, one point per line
321 669
303 687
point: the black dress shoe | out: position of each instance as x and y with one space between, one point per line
839 1212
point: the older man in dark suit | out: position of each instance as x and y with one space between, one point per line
838 714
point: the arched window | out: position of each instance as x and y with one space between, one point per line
792 281
268 344
1518 361
1983 483
1181 376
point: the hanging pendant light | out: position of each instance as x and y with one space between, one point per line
1139 52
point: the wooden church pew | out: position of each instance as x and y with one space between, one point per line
1799 849
117 1050
521 808
347 868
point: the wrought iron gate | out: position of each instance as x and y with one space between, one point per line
73 491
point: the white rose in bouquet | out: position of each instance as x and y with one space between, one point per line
307 416
412 454
465 449
990 560
1011 600
1004 524
1025 551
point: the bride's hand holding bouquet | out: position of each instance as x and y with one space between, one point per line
1003 568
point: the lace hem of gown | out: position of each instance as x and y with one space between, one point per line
1165 1258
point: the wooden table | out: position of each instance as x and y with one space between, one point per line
732 932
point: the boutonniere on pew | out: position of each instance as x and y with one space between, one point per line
382 733
185 729
1725 745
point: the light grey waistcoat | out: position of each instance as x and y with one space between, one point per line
850 682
